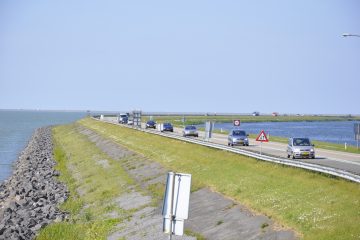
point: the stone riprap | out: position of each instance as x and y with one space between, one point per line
29 198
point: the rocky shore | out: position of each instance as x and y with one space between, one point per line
30 197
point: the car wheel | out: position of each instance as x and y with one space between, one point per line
293 156
313 157
288 156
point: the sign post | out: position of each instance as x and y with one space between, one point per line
262 138
209 126
357 134
237 123
176 203
136 118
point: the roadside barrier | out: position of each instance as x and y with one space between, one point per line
309 166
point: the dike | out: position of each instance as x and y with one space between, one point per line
30 197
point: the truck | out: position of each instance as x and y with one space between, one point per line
123 118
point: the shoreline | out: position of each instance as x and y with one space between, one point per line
29 198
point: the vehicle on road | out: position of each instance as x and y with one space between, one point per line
300 148
238 137
130 122
123 118
150 124
190 130
167 127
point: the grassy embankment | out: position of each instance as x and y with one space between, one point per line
92 188
316 206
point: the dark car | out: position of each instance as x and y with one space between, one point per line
151 124
190 131
168 127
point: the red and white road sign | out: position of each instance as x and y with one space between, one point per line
262 137
237 123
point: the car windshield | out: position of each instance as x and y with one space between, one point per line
239 133
301 142
167 124
150 122
190 128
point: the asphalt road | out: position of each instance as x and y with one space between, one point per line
340 160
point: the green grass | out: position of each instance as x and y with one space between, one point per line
92 188
316 206
194 234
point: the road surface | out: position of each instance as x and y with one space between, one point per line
349 162
340 160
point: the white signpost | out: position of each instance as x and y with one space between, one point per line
176 203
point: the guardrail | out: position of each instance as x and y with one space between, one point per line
313 167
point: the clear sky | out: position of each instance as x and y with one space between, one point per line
192 56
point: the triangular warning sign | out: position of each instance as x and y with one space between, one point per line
262 137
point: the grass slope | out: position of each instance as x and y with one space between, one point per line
317 206
92 188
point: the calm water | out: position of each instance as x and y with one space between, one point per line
335 132
16 128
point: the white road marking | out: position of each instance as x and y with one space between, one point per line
339 160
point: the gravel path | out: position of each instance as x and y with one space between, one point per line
211 214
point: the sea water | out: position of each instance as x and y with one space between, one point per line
17 127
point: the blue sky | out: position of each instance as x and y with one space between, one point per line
192 56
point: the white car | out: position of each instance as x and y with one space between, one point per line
300 148
190 131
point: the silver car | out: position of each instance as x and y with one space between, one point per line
190 131
300 148
238 137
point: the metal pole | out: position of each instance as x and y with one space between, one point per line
358 136
172 206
